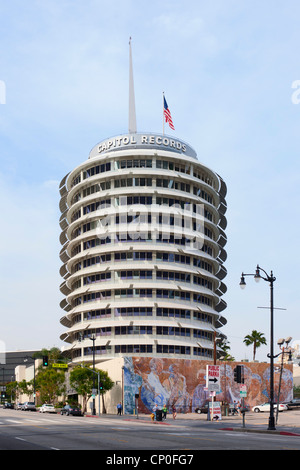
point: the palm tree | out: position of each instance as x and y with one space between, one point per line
225 350
257 339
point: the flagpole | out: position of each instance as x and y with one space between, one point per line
163 113
132 113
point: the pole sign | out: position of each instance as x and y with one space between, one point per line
60 366
243 391
213 378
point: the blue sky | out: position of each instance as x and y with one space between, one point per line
227 69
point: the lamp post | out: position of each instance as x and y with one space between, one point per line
271 279
2 391
284 350
93 338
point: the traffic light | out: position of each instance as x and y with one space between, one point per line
238 372
100 386
45 361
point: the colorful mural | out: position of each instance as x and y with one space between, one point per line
181 383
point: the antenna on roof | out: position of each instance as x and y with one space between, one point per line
132 115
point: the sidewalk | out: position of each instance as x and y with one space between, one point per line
288 422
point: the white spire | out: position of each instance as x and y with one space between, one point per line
132 116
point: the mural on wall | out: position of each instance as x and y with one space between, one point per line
181 383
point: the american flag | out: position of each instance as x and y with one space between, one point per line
167 115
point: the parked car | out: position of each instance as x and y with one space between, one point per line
19 406
47 408
28 406
266 407
202 409
9 406
71 410
295 403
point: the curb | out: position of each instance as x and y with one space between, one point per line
282 433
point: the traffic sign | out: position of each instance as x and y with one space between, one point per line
213 378
243 391
60 366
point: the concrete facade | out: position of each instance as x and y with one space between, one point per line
143 236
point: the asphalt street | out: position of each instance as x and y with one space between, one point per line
138 435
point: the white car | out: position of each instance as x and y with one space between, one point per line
266 407
47 409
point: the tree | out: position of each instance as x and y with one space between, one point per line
82 379
225 350
24 387
257 339
11 389
54 355
50 383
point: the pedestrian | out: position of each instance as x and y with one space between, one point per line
154 409
119 408
174 412
165 411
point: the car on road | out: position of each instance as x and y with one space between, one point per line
19 406
71 410
266 407
28 406
295 403
47 408
202 409
9 406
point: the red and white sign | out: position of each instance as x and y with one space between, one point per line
215 410
213 378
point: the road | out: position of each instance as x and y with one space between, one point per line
20 430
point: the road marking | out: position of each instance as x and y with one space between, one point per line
38 420
122 429
189 435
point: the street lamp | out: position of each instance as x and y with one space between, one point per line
3 390
93 338
284 350
271 279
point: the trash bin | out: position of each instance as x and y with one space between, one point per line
158 415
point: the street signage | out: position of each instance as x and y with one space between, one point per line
60 366
243 391
213 378
215 410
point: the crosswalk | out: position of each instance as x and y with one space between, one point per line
54 421
41 421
